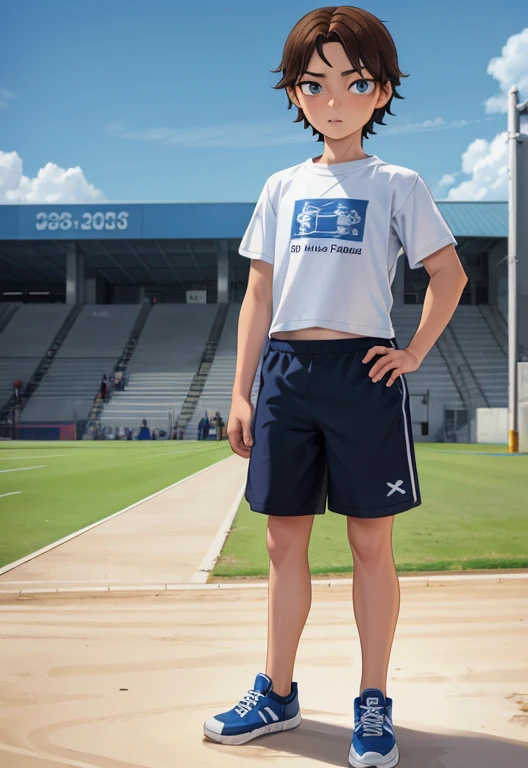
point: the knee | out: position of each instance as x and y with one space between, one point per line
287 539
371 541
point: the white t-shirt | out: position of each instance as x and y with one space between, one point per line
333 234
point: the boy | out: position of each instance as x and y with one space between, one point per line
324 240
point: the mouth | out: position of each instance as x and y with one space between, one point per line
335 121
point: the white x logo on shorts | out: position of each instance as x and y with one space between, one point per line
395 487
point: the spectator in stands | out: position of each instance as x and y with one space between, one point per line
144 432
219 425
104 388
118 380
17 389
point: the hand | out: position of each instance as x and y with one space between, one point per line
239 426
401 360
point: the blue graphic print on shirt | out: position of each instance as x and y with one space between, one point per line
342 218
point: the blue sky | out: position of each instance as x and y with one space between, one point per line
171 101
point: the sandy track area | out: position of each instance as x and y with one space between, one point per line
122 681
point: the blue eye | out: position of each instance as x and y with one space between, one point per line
367 86
308 83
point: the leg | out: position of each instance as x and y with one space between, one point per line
289 595
376 595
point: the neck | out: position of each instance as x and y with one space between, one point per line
329 156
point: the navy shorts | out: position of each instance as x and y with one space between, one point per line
322 429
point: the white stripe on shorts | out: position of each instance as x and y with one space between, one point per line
405 393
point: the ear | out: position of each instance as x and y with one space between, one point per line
291 94
385 94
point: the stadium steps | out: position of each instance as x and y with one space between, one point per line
198 382
217 391
484 357
497 324
147 397
166 368
121 365
93 345
473 395
465 384
40 321
434 375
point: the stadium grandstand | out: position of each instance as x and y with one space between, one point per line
152 292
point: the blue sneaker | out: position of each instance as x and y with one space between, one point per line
261 711
373 742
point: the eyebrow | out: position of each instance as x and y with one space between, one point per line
346 72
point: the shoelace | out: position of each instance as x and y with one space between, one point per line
248 702
371 721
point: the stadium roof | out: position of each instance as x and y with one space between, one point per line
482 219
134 243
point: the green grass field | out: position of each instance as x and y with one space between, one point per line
474 513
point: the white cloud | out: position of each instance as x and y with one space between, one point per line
233 135
509 69
6 97
486 162
447 179
438 124
52 184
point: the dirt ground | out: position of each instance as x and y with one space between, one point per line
94 678
122 680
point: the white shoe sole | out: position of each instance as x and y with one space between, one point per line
374 759
241 738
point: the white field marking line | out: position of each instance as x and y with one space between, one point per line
201 575
42 456
149 456
40 447
417 576
262 584
329 582
25 559
172 453
13 493
47 758
23 469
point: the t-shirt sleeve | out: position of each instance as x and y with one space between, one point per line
419 225
258 241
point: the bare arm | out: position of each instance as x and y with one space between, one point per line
253 325
447 280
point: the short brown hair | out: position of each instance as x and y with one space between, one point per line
362 35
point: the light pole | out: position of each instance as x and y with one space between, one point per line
515 138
